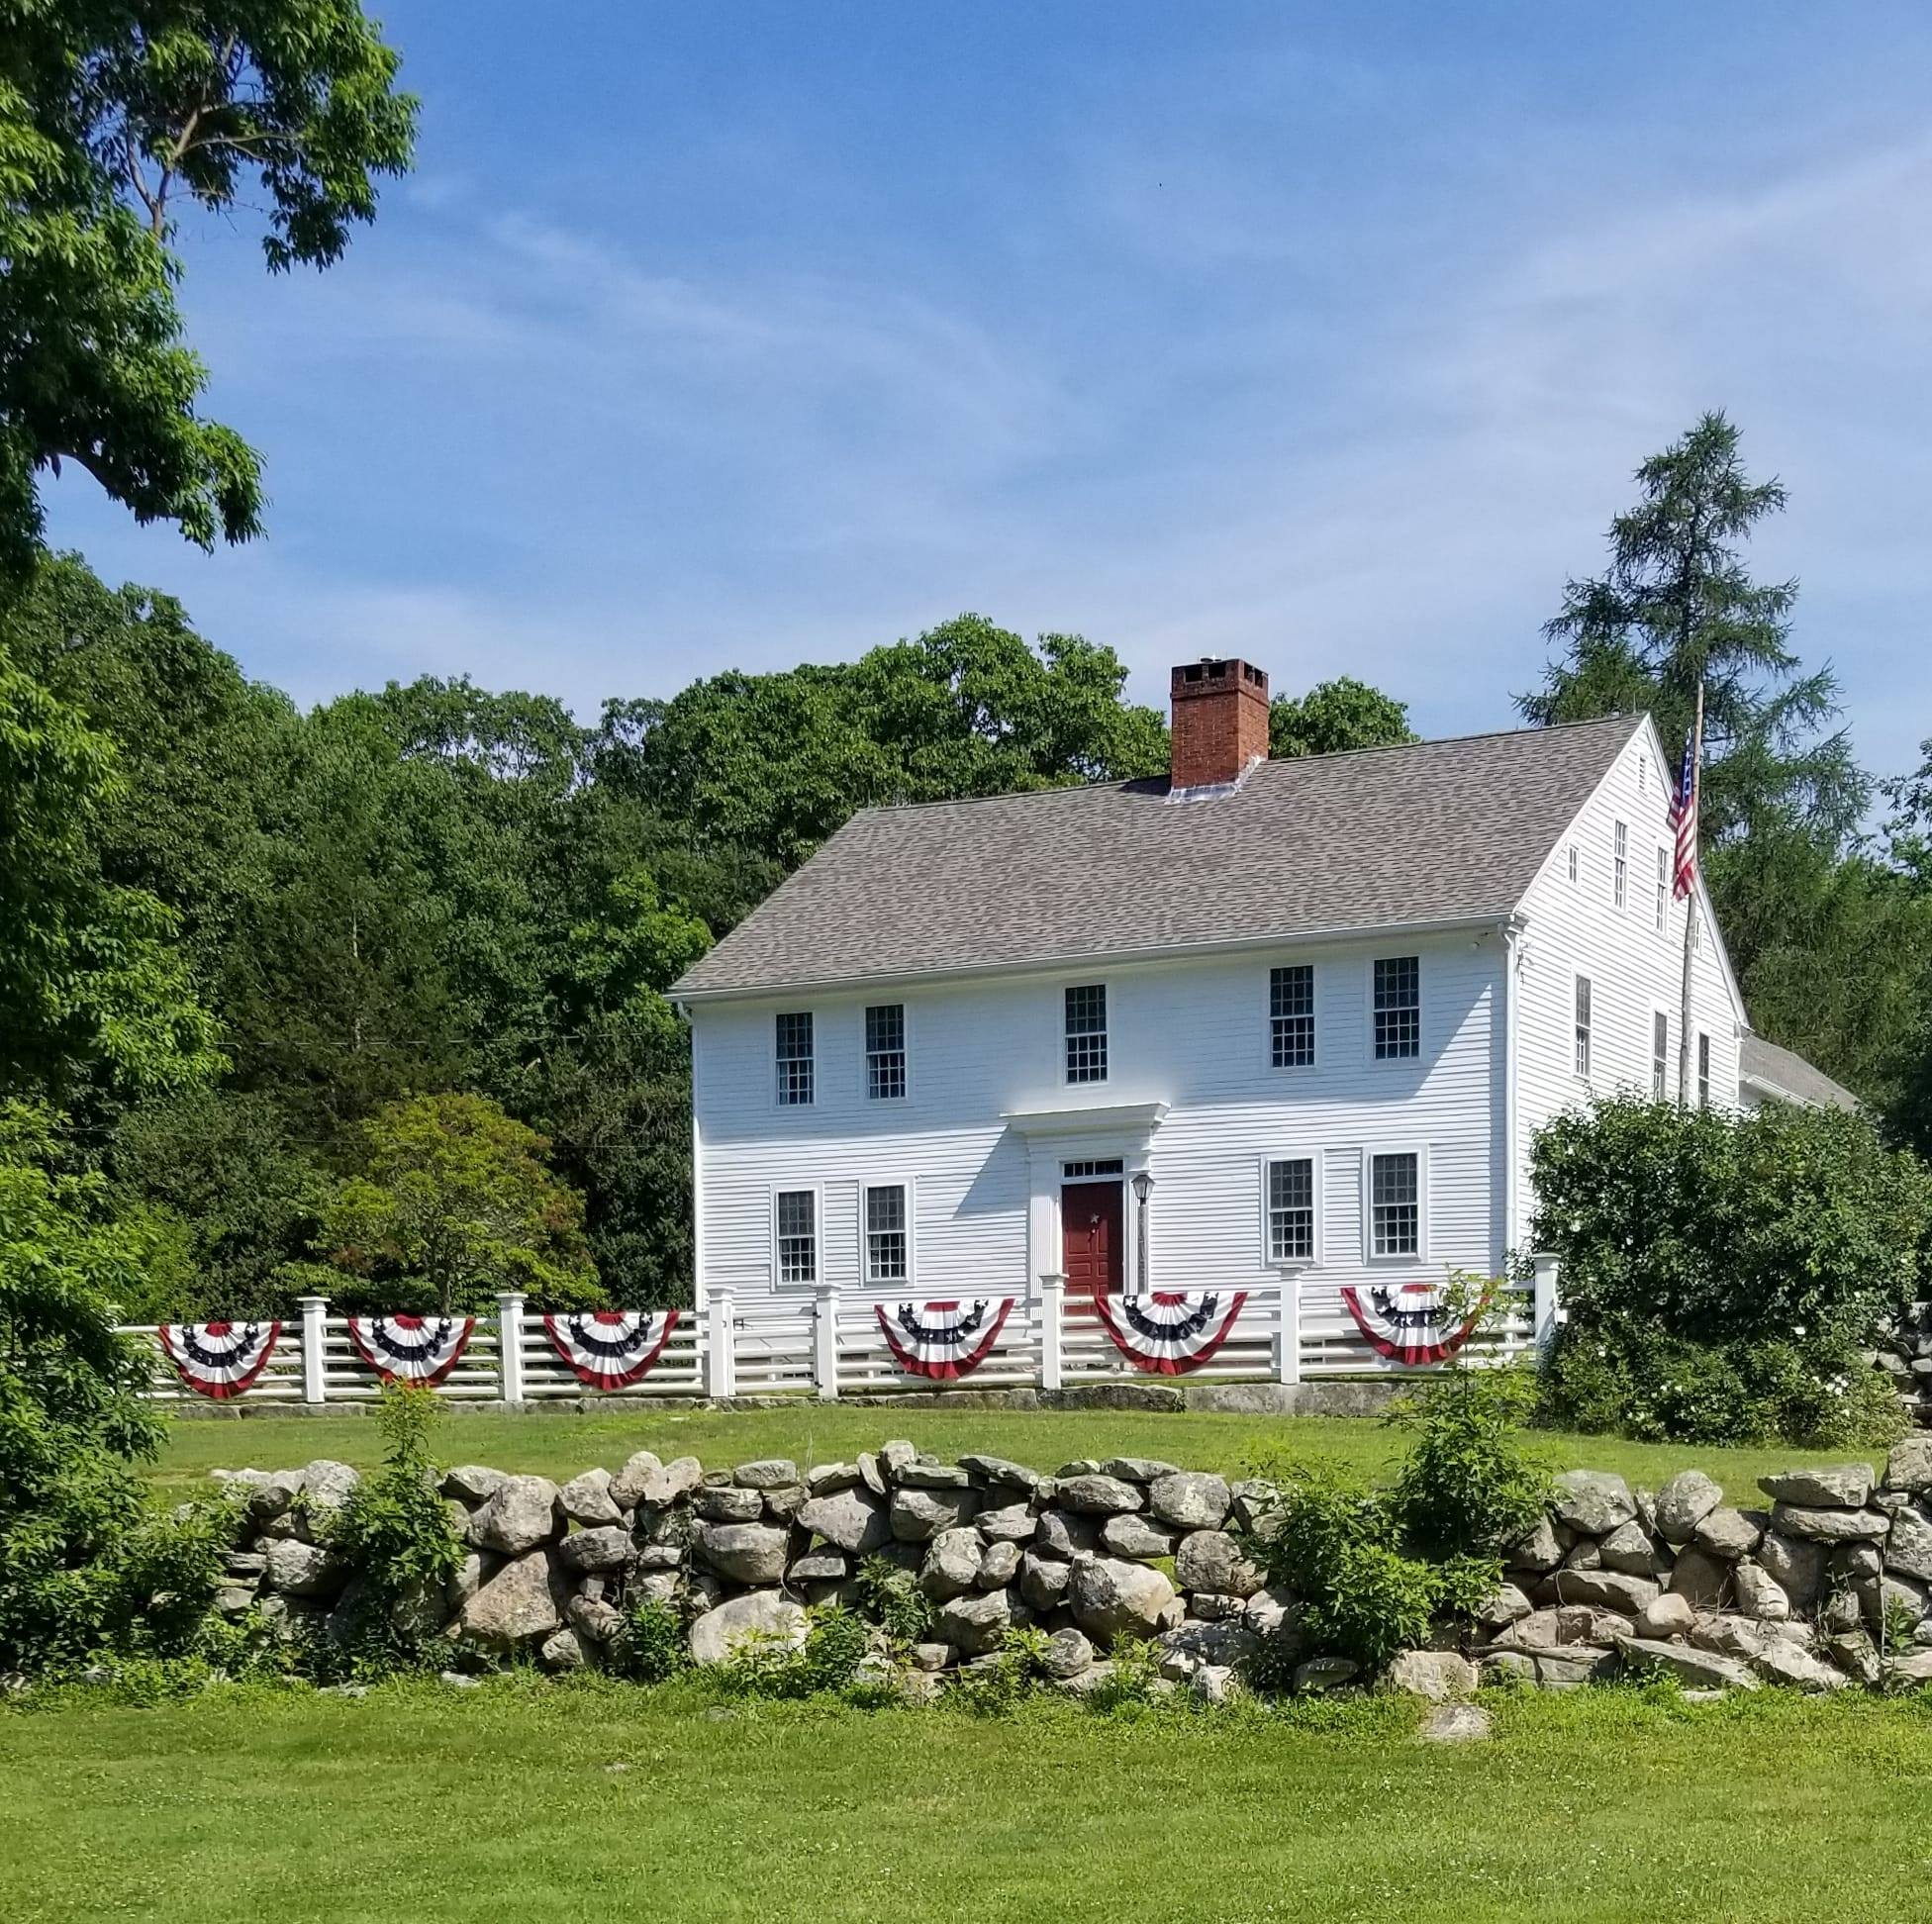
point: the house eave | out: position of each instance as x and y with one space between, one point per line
1103 959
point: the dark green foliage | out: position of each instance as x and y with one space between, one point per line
1722 1273
890 1595
652 1648
1335 716
110 118
396 1537
1467 1483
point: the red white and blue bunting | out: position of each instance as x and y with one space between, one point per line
611 1348
1407 1322
1170 1331
219 1359
943 1340
410 1349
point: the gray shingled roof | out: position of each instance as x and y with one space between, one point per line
1786 1073
1441 831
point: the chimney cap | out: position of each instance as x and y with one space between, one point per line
1218 672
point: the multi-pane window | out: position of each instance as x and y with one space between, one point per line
1703 1072
1291 1211
1663 887
1573 861
798 1236
1087 1034
1397 1006
885 1234
1620 865
1291 1016
794 1058
1660 1054
1583 1026
885 1052
1394 1205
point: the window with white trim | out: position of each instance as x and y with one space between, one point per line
1660 1055
1291 1209
885 1052
1397 1006
887 1236
1663 888
1089 1167
1703 1071
1087 1034
1573 864
796 1216
1291 1016
1396 1203
1620 865
793 1059
1583 1027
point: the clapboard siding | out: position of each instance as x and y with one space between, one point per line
1634 971
1190 1034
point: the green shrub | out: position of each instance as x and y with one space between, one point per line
890 1596
1015 1673
1467 1484
1722 1273
652 1646
835 1645
396 1537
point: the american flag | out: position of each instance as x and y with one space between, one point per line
1683 820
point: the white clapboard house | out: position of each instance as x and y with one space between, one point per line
1321 1004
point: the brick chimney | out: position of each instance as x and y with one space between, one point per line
1221 721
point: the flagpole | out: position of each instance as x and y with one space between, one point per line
1693 801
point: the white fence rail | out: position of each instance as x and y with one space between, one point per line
834 1345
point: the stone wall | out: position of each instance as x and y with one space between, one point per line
1807 1590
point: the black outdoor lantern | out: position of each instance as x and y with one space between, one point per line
1143 1188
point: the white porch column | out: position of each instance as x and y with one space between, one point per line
1053 1294
1288 1328
510 1344
1545 1267
825 1340
314 1375
721 1359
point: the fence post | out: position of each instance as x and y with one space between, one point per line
314 1375
721 1363
825 1340
510 1344
1544 1267
1287 1329
1054 1303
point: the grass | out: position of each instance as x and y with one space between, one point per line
560 1443
518 1799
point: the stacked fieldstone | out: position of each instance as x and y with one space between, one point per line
1825 1587
1818 1590
1906 1356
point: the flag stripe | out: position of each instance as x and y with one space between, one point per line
1683 818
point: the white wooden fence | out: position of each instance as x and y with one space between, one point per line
831 1345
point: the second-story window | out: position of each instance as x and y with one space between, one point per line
1660 1054
1291 1016
1703 1072
1620 865
885 1052
1397 1006
1663 888
793 1059
1087 1034
1583 1026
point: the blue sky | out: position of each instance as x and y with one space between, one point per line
710 336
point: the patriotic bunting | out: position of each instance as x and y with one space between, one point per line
1171 1331
1407 1324
219 1359
410 1349
943 1340
611 1348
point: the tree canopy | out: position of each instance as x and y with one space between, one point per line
113 118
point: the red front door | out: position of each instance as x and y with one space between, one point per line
1093 1252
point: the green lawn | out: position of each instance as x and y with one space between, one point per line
560 1443
516 1800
